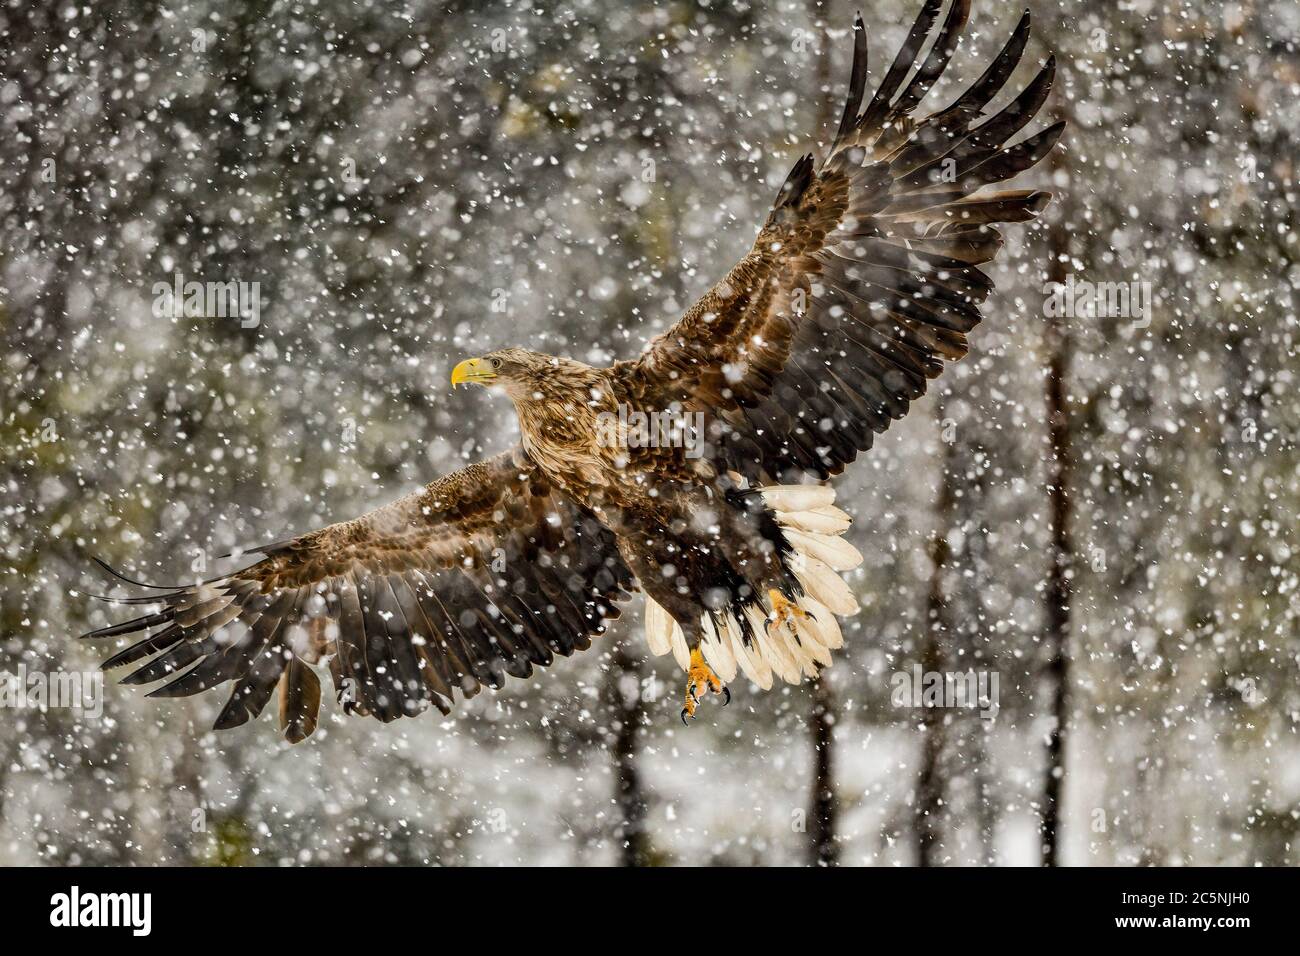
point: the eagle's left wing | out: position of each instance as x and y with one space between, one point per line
864 278
483 573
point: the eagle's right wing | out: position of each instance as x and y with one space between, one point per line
481 574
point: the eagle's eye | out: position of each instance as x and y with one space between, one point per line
496 363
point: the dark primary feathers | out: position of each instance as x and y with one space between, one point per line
863 281
482 574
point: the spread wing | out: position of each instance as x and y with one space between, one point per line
482 574
864 279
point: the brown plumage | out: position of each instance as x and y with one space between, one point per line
863 281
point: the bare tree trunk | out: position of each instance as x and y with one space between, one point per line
1061 556
822 846
930 785
985 798
623 691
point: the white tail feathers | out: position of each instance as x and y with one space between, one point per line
658 628
814 533
823 584
681 653
772 646
828 520
790 650
801 643
812 640
663 634
718 652
829 549
748 656
798 497
823 625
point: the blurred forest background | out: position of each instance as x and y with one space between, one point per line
1100 510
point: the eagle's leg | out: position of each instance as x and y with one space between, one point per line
784 611
700 679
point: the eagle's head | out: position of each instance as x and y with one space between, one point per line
522 374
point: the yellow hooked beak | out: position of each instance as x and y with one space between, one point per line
472 370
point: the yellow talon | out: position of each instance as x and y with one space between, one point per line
700 679
784 611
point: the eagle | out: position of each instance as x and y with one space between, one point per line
695 474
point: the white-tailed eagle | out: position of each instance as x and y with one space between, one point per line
694 473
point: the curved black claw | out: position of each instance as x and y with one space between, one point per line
727 691
684 723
